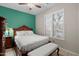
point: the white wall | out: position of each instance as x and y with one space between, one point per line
71 14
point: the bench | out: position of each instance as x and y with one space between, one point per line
45 50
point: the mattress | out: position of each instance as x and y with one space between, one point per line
30 42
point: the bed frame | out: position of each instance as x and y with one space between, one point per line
24 53
22 28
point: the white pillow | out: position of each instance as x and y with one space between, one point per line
29 32
20 33
23 33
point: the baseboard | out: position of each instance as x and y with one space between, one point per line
66 52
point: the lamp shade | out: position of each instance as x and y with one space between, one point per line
8 32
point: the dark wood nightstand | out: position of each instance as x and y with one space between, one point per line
8 42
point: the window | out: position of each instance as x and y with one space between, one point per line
48 25
54 24
58 24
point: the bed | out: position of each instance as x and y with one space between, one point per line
26 40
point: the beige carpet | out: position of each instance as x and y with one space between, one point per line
10 52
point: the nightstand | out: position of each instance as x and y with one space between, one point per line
8 42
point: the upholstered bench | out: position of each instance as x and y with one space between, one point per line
45 50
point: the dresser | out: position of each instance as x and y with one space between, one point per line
2 41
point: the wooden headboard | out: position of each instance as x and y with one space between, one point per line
22 28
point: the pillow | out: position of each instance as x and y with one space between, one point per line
20 33
29 32
23 33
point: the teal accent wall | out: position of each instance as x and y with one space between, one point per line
16 18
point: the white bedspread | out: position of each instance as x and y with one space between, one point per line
27 43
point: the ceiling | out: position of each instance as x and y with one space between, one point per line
25 8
